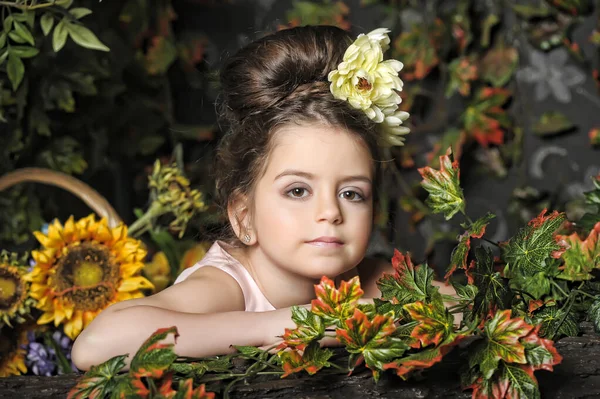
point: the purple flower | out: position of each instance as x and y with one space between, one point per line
39 361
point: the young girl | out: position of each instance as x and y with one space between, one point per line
297 173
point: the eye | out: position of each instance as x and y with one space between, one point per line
351 196
297 192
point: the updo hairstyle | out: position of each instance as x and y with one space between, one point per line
278 80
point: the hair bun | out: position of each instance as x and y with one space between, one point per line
272 68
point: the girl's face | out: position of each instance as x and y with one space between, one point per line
313 207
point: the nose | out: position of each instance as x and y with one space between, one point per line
328 209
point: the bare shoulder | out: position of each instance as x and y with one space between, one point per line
207 290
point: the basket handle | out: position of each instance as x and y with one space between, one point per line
81 190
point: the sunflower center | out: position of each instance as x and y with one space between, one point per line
363 84
87 275
9 289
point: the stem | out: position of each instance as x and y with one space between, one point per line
567 305
144 223
585 293
490 241
560 289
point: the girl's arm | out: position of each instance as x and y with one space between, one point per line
206 321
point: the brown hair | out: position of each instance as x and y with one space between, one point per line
277 80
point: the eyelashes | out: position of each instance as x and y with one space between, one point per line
302 193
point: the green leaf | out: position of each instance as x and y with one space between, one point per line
408 283
520 383
8 23
16 38
47 22
24 33
528 250
15 70
493 292
555 323
100 380
79 12
160 56
24 51
551 123
498 64
2 39
581 256
336 305
59 37
529 12
85 37
445 193
312 360
310 327
594 314
3 55
465 292
537 285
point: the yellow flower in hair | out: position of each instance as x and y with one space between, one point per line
371 84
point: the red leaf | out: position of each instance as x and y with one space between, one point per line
335 303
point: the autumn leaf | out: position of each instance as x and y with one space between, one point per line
186 390
463 71
555 322
312 359
458 259
336 305
435 323
310 327
373 339
485 119
501 342
445 194
418 47
540 352
409 283
499 64
99 381
153 357
581 257
527 251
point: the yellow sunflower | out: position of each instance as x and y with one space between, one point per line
84 267
13 344
15 303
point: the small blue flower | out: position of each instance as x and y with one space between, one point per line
38 360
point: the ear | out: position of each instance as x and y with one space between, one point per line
238 212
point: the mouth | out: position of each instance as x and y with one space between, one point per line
326 242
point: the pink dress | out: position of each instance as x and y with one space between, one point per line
218 257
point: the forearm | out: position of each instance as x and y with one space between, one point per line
123 331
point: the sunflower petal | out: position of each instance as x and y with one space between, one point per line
46 318
135 283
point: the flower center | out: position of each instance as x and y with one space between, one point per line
9 289
363 84
87 275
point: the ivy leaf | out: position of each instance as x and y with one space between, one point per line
310 327
459 255
85 37
498 64
312 360
555 323
540 352
485 118
519 383
445 194
551 123
528 250
153 357
99 381
47 22
334 305
465 292
581 257
501 342
493 292
435 323
408 283
15 70
594 313
537 285
372 339
462 71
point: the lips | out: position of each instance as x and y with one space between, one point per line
328 242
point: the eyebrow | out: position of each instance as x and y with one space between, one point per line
310 176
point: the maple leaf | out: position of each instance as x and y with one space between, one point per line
555 322
461 251
445 194
493 292
484 118
425 358
373 339
186 390
310 327
581 257
527 251
99 381
540 352
502 334
312 359
435 323
408 283
336 305
154 357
